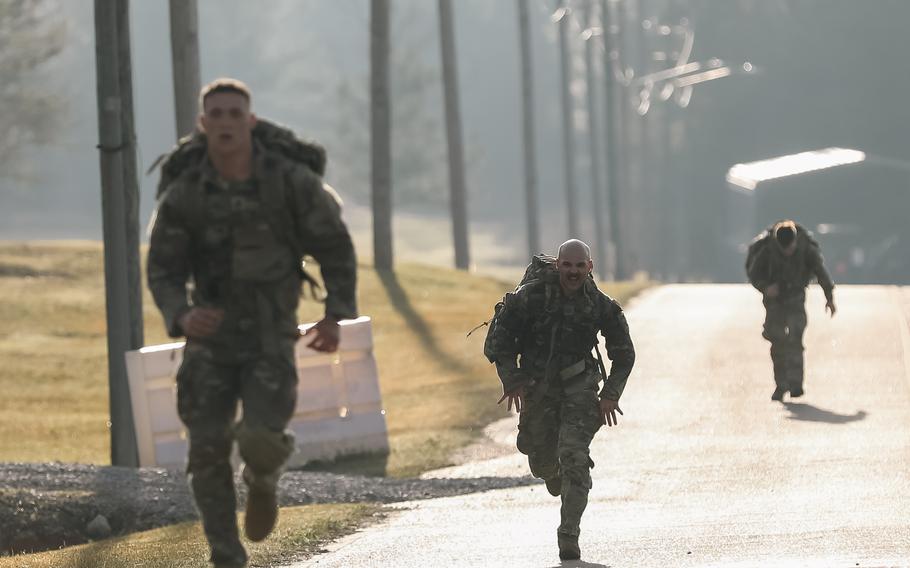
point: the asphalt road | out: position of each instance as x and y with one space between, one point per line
704 469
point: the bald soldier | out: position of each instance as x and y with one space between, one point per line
542 341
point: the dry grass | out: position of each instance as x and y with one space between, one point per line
300 532
53 353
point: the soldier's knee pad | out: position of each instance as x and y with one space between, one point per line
264 450
542 468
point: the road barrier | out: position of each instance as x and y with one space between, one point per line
339 407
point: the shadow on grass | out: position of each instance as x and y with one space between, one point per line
402 304
809 413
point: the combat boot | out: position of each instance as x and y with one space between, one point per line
261 508
796 392
568 546
778 394
227 552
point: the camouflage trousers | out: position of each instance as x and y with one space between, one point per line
555 429
785 323
210 384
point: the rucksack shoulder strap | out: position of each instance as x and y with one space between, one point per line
274 182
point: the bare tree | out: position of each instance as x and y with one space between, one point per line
528 134
419 165
459 198
31 34
381 134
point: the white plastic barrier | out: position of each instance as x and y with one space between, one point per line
339 407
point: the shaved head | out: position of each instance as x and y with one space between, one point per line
573 261
574 247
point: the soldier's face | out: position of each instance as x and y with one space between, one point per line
227 122
574 267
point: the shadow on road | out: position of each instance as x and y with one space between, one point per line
580 564
809 413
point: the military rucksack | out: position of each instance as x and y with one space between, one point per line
541 268
758 244
804 239
191 150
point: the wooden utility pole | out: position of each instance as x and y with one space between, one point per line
458 192
185 63
568 130
130 176
634 150
600 237
120 226
613 129
527 123
380 135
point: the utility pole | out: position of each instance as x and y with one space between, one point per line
458 193
636 155
185 63
130 176
380 135
527 123
568 130
613 131
120 226
600 248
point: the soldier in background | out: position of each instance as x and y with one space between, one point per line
235 217
781 263
541 340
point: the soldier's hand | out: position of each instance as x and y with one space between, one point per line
516 396
772 291
327 333
608 410
200 321
830 307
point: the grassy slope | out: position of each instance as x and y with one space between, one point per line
437 388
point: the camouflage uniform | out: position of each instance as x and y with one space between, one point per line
241 244
543 339
785 315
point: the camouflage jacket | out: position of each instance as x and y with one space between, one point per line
239 246
793 273
541 332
